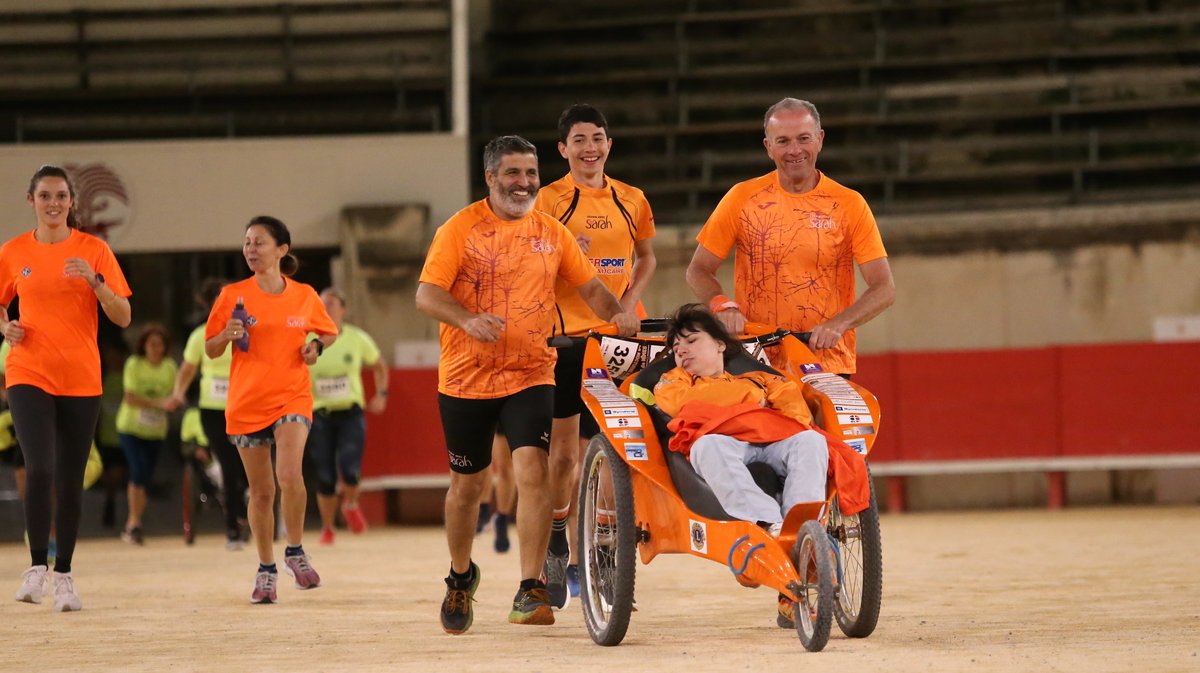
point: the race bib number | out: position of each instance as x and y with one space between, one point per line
333 388
620 355
218 388
151 418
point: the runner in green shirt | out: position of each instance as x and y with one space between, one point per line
339 429
142 419
214 389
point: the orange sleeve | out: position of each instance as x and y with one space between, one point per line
719 234
671 390
219 315
106 265
318 318
865 240
444 256
785 397
574 267
645 221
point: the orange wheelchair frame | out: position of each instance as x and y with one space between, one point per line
829 564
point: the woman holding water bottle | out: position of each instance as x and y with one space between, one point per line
267 318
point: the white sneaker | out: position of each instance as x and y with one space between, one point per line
65 598
33 584
775 529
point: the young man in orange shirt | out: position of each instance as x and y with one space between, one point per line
615 228
489 278
798 235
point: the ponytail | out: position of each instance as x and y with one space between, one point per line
289 265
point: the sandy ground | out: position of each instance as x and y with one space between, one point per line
1095 590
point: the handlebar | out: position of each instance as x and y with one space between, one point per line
754 332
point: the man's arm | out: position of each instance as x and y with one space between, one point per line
604 304
440 305
702 279
880 294
644 263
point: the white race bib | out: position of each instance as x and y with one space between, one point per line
218 388
335 388
151 418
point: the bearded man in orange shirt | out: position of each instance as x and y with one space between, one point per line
798 235
489 278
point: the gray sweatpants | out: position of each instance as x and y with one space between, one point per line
802 460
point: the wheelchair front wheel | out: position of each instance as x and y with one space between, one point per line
608 542
813 612
860 568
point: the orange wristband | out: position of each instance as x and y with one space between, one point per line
721 303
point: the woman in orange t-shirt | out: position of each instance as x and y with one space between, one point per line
268 318
60 275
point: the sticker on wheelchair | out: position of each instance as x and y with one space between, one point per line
698 534
835 388
635 451
757 352
859 445
621 356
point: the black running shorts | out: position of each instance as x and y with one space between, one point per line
469 425
568 374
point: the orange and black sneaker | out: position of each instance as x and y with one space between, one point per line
532 605
785 616
457 613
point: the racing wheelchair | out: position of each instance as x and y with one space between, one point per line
636 498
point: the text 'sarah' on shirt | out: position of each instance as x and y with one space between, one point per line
614 218
508 269
60 314
795 259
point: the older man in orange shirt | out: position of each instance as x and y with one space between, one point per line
798 235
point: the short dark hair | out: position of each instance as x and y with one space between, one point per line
791 104
51 171
208 291
500 147
278 231
149 330
580 113
697 318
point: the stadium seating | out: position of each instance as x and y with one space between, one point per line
225 70
929 105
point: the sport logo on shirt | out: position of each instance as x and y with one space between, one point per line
26 271
541 245
820 221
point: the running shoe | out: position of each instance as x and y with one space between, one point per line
234 544
457 612
264 587
554 575
355 519
133 536
33 584
326 538
65 598
298 566
784 615
531 606
573 580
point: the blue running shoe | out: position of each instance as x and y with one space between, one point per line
573 580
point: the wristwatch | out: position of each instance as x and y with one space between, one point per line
97 281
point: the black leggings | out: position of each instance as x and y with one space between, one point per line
55 433
233 473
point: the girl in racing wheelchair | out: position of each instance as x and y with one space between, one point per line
723 422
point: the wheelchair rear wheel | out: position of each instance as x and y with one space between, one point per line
859 547
813 613
608 541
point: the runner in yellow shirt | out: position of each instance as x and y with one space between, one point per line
142 419
339 430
